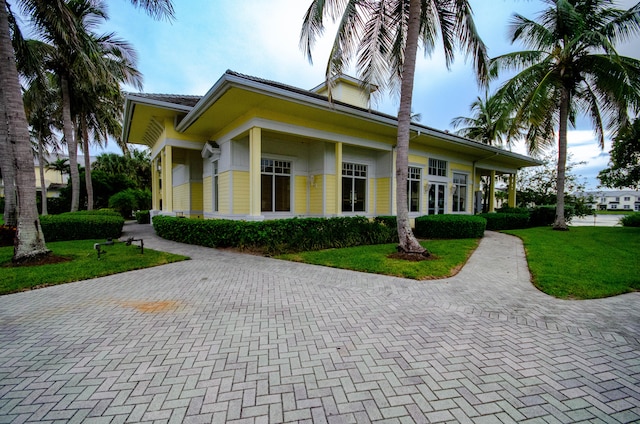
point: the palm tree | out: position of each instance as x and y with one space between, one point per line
42 110
60 165
488 124
29 238
489 121
571 67
30 243
384 35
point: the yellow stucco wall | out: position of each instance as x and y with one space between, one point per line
207 195
383 196
315 195
240 192
300 208
224 183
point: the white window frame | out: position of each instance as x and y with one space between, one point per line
414 176
359 171
284 164
457 188
436 165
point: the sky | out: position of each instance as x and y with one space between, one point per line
260 38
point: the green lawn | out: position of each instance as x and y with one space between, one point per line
585 262
616 212
450 256
84 264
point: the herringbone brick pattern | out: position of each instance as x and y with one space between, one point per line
237 338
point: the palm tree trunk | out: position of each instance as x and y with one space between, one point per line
87 163
406 240
43 183
72 146
29 244
8 173
560 222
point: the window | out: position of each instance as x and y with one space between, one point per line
276 185
604 200
637 207
613 206
627 199
617 199
627 206
354 187
413 188
438 167
459 192
215 186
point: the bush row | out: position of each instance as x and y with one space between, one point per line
81 226
631 220
450 226
505 221
276 236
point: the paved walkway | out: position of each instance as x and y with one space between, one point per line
227 337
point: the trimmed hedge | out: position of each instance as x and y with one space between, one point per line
505 221
450 226
81 226
275 236
631 220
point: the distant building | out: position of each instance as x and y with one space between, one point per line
54 180
612 200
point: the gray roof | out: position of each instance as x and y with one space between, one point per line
177 99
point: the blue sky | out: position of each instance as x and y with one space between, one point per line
260 38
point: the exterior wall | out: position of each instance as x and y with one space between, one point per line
301 199
330 195
207 195
383 196
181 199
316 190
240 193
224 186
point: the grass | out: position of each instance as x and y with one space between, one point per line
615 212
585 262
83 264
450 255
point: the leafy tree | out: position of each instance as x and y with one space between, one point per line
385 35
624 168
538 186
571 67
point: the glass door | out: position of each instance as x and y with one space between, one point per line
437 192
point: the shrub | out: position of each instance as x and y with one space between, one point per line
282 235
390 221
509 209
546 214
506 221
143 217
124 202
81 226
631 220
450 226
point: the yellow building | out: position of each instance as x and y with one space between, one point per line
255 149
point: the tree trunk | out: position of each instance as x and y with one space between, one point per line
72 145
560 222
6 165
43 183
406 240
87 164
29 244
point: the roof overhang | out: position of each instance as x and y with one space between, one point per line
234 96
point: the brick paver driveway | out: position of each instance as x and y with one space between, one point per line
227 337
